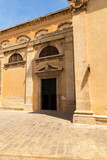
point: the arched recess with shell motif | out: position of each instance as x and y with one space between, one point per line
23 39
64 25
41 32
4 44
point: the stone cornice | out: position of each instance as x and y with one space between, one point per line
53 36
76 5
36 20
57 35
13 47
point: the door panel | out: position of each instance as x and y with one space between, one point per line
49 94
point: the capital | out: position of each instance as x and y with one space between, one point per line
77 4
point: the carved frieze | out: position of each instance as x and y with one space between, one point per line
78 4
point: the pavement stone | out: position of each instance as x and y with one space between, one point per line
49 135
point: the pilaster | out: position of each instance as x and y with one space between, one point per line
83 113
70 84
29 79
1 81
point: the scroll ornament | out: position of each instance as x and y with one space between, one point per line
77 4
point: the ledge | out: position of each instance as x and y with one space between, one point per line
14 46
83 112
19 63
59 56
52 36
12 108
100 118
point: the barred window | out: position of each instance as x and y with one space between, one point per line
15 58
49 51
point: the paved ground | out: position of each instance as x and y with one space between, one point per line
35 136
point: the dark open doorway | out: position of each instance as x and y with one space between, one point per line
49 94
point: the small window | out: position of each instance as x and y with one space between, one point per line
49 51
15 58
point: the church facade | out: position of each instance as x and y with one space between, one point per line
57 62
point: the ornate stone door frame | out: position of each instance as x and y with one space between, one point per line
47 73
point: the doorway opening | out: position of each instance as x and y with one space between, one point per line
49 94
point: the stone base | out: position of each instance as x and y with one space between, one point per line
12 108
28 107
102 120
83 117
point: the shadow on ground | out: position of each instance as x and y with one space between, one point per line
65 116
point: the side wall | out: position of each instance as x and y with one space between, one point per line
97 47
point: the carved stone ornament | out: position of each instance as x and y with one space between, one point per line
48 68
78 4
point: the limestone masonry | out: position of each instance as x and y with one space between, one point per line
58 62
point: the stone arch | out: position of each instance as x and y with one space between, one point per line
15 57
55 44
49 51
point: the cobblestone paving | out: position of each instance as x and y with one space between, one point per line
52 136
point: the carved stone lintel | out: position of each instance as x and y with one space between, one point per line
77 4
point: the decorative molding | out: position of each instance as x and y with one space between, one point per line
100 119
14 47
58 56
14 64
48 68
77 4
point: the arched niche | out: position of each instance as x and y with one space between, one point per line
41 32
64 25
23 39
4 43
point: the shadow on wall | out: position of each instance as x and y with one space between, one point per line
86 76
